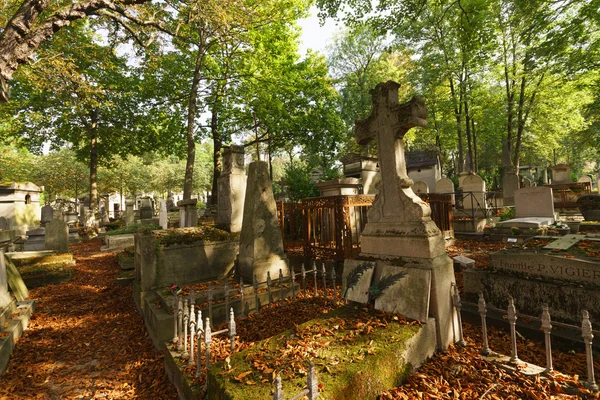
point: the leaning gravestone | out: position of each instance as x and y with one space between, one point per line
261 243
57 236
403 255
5 299
232 188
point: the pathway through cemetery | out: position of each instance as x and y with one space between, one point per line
86 340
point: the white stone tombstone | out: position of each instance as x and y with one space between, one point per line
585 179
420 187
510 184
535 201
163 218
57 236
232 189
129 213
445 186
261 242
400 227
474 184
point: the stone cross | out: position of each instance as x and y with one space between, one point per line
387 124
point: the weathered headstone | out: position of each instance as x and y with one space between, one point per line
146 208
589 206
476 186
400 235
57 236
561 173
510 184
445 185
129 214
534 202
3 223
585 179
261 243
420 187
163 218
188 215
232 189
47 214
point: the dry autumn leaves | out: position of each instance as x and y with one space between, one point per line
87 341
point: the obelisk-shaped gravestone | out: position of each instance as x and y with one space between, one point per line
403 262
232 189
261 243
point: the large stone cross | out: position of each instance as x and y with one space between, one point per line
388 123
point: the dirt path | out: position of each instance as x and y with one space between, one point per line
86 340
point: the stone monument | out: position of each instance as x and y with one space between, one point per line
47 214
57 236
163 218
129 215
188 215
403 256
261 243
232 189
510 184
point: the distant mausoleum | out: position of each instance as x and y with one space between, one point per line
424 166
19 206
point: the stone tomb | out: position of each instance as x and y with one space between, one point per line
534 208
510 184
232 189
188 214
403 262
261 243
473 192
567 281
420 187
129 214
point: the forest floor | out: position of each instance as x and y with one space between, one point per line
88 341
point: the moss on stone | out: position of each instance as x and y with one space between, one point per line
360 368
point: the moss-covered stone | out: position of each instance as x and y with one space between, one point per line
349 365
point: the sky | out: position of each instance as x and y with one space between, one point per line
314 36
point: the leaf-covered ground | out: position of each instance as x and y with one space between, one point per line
86 340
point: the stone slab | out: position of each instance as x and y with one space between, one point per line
565 242
360 275
57 236
464 262
408 295
526 222
547 266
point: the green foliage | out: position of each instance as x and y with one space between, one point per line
507 213
298 183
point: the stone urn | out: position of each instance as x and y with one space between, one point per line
574 226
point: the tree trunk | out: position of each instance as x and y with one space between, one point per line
458 116
191 125
217 139
475 155
94 161
25 32
470 166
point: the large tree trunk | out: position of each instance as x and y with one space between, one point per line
24 33
94 162
458 116
191 126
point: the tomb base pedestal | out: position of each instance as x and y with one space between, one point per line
416 287
248 268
